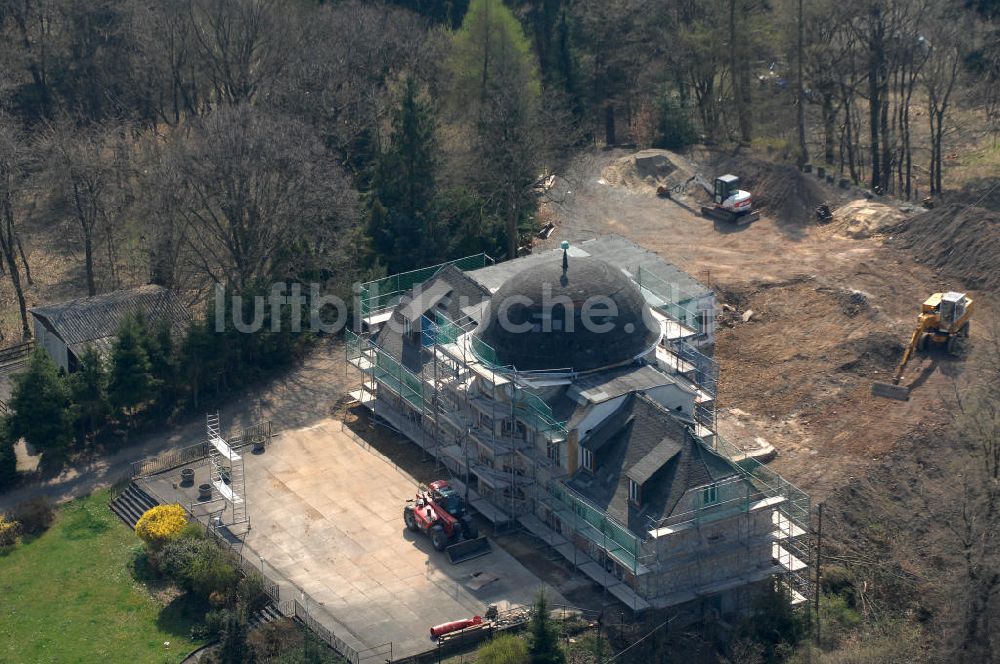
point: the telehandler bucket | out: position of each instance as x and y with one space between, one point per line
890 391
468 549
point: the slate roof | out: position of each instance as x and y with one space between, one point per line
603 385
543 328
656 450
95 320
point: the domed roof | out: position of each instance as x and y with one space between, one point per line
588 317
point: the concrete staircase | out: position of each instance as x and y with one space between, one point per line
131 504
268 614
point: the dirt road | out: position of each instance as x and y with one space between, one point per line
831 315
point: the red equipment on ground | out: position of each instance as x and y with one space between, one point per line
455 625
441 514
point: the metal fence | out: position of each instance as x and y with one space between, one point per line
169 460
260 433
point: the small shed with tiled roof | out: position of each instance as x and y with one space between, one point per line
66 329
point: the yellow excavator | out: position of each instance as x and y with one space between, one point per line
944 318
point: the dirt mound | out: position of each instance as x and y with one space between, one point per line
644 171
873 353
852 302
964 243
863 219
779 190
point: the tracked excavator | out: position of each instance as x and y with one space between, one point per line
732 204
943 321
441 514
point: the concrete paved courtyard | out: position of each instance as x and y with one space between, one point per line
327 515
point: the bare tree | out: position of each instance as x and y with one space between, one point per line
87 171
260 197
166 67
15 165
939 77
30 26
243 43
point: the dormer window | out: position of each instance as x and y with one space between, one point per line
588 459
710 494
634 492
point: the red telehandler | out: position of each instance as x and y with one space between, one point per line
441 514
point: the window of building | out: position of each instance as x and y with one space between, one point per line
552 451
710 494
588 459
486 422
633 491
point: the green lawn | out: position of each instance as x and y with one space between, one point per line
69 596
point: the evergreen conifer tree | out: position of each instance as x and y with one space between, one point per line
40 402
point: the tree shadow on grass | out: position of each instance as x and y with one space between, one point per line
181 614
86 522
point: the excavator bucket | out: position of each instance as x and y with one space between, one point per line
890 391
468 549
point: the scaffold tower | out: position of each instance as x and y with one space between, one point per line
227 473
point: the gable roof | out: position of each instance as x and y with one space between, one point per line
95 320
646 467
647 445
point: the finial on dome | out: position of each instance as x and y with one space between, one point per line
564 245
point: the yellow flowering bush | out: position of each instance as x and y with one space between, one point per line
9 530
160 524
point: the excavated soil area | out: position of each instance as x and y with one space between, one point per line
863 219
780 191
963 242
810 316
644 171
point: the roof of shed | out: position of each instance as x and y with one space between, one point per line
94 320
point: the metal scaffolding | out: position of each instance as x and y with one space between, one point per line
227 473
503 446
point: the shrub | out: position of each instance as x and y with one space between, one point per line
35 515
210 571
274 639
197 564
9 530
175 557
233 647
8 460
215 621
161 524
193 530
505 649
250 592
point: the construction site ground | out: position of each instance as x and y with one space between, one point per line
831 308
327 519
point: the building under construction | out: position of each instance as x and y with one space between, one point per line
569 393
